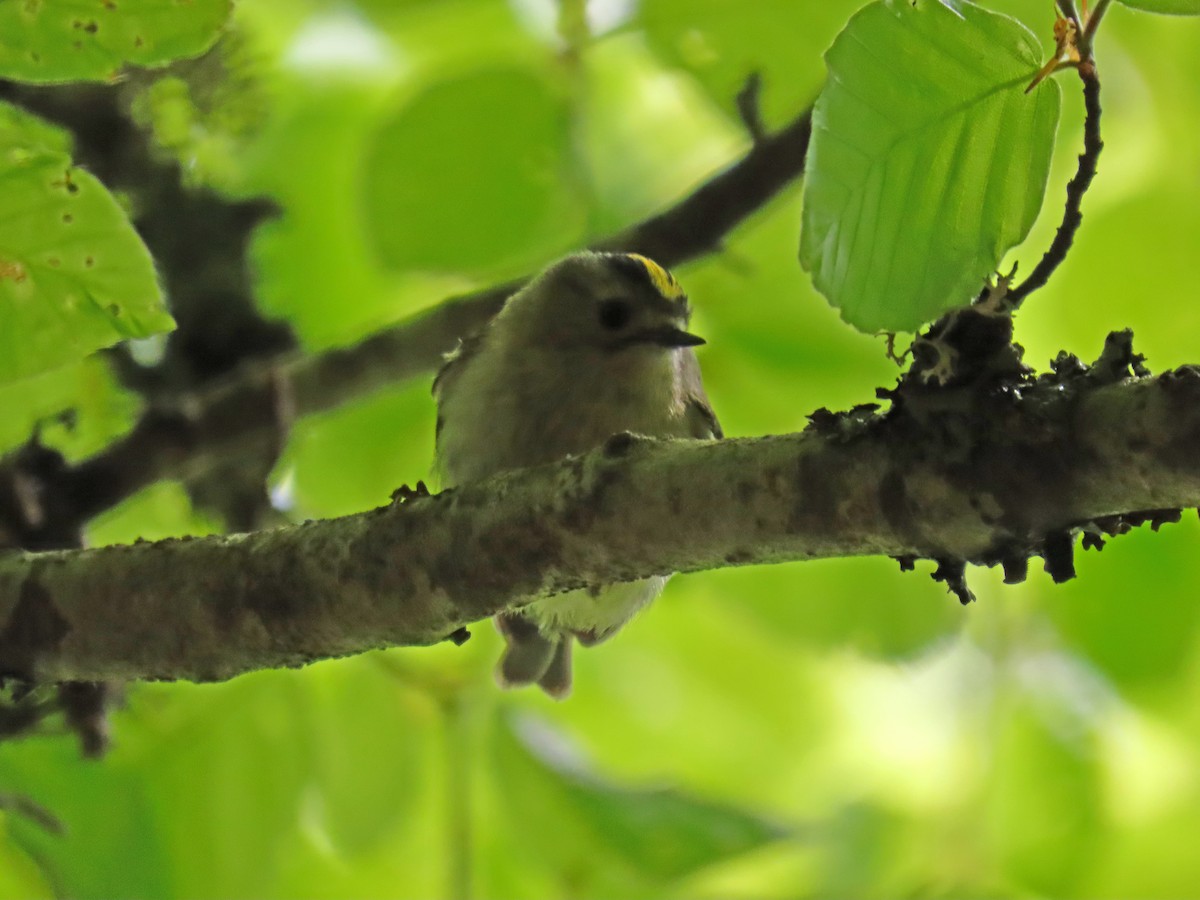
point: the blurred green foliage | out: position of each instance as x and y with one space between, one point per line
836 728
1170 7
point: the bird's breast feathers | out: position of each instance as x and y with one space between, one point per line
498 414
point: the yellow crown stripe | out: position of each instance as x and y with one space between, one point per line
664 282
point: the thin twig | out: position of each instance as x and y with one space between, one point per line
1089 30
1067 8
1076 188
749 110
33 811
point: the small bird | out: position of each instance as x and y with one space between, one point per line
593 346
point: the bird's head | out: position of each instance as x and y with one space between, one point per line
606 302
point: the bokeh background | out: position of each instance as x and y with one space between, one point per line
832 728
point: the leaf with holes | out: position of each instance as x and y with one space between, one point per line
928 161
74 275
65 40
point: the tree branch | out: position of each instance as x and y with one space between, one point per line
984 476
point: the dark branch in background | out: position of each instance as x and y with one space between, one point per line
1076 188
186 436
198 240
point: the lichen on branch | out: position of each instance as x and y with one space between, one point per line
977 475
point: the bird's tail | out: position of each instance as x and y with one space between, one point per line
532 657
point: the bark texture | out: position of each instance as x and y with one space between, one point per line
963 475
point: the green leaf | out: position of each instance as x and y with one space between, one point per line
505 130
366 787
20 876
1138 647
688 834
317 268
67 40
1045 805
74 275
662 834
123 857
1167 7
721 42
928 160
78 409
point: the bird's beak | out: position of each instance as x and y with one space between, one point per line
668 337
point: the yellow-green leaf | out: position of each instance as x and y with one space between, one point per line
74 275
68 40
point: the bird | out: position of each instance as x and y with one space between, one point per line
595 345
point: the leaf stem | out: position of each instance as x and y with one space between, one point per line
1067 8
1088 34
1076 188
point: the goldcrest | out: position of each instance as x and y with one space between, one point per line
595 345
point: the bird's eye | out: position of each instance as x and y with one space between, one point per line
615 314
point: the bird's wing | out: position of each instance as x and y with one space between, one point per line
455 361
701 420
